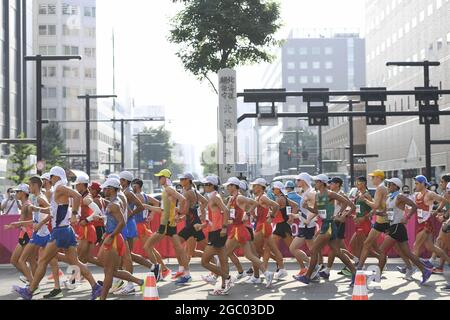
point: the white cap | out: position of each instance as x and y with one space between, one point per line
23 188
187 176
305 177
278 185
111 183
114 176
126 175
396 181
260 182
243 185
82 179
58 172
212 180
46 176
233 180
448 186
322 178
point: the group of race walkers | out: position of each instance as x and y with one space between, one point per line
99 224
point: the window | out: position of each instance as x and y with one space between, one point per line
328 51
329 65
291 80
316 65
76 134
49 92
71 72
69 10
90 73
316 79
91 53
89 12
71 50
290 65
47 30
49 72
89 32
329 79
303 65
47 50
316 51
440 43
290 51
303 79
430 9
70 31
70 92
303 51
45 9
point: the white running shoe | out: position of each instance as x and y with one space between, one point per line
228 286
269 278
210 279
240 276
117 285
281 274
69 285
409 274
253 280
316 272
128 290
24 279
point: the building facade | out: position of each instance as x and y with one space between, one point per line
415 30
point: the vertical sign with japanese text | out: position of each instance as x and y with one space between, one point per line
227 124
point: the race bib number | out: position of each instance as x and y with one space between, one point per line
358 209
323 214
232 214
390 213
422 215
289 211
199 212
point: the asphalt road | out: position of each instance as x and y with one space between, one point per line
393 286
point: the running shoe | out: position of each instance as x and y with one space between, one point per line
69 285
51 278
253 280
54 294
425 276
325 274
240 276
23 279
177 275
316 272
446 288
409 274
217 293
36 291
117 285
269 278
128 290
96 291
438 271
183 280
209 279
352 283
281 274
316 279
228 286
347 273
402 269
155 270
302 279
250 272
25 293
302 272
165 273
427 263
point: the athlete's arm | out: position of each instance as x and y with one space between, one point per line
378 202
115 211
152 201
273 206
182 202
293 205
344 202
437 198
88 201
76 197
408 202
247 202
131 198
203 205
226 214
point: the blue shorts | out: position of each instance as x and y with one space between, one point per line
130 230
40 241
64 237
307 233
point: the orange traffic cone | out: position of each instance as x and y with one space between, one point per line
150 290
360 287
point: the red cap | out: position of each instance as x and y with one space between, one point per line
96 186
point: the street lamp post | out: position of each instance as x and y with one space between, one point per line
87 99
39 59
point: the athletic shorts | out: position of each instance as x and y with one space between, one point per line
364 228
215 240
143 230
240 233
167 230
398 232
340 226
87 233
329 227
427 226
100 231
252 234
283 230
64 236
381 227
130 230
118 244
189 231
40 241
24 239
306 233
265 228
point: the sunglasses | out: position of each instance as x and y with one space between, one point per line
208 185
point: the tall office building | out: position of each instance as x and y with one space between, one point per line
68 27
414 30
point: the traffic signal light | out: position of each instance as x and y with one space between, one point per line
375 99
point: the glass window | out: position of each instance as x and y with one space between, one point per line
291 80
303 51
329 65
303 65
316 65
315 50
290 65
316 79
290 51
328 51
329 79
303 79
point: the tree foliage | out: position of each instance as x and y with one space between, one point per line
53 145
218 34
20 159
209 160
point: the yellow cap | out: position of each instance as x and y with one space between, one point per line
164 173
377 173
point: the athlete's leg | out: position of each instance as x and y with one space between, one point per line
334 245
16 256
150 245
183 260
83 251
49 253
421 238
235 260
404 247
387 244
373 236
110 261
277 253
320 242
29 251
72 259
299 254
429 245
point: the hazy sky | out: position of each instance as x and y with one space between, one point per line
155 76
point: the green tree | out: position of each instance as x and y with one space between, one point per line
209 160
218 34
53 145
155 146
20 159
